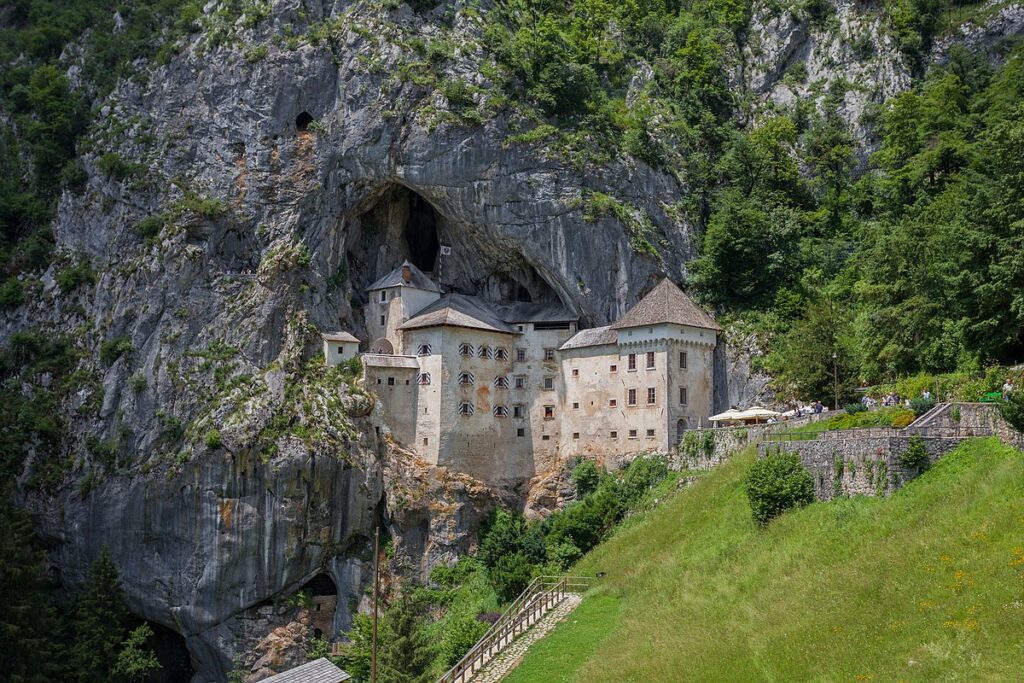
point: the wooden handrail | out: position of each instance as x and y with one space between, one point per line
541 595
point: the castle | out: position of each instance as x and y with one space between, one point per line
507 391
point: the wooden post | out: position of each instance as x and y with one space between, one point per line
376 582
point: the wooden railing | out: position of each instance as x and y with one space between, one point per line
543 594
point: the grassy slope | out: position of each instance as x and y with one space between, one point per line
926 585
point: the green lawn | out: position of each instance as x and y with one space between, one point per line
927 585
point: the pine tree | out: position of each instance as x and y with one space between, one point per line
98 624
404 652
28 626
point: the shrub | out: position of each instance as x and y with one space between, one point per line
11 294
921 405
776 483
114 166
511 575
137 382
1012 410
642 474
585 477
212 439
112 349
71 277
150 226
854 408
916 455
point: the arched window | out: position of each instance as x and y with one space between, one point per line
501 382
423 350
500 411
467 378
466 350
500 353
484 351
465 409
423 379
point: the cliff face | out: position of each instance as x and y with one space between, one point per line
269 182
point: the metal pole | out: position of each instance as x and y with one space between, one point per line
376 582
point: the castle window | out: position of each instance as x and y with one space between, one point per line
520 381
391 381
650 360
549 383
549 412
521 432
682 359
500 354
466 350
501 382
575 435
465 409
382 320
613 434
425 441
467 378
520 355
682 396
423 350
378 380
517 411
650 433
549 354
575 405
575 372
500 411
631 397
631 364
612 403
484 352
652 396
632 433
546 437
383 295
614 368
423 379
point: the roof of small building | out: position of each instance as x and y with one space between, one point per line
458 310
340 337
417 280
666 303
386 360
317 671
527 312
595 336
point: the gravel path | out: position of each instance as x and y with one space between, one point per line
506 660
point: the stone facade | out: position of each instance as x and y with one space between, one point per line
505 392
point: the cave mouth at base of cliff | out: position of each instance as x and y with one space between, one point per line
398 223
172 653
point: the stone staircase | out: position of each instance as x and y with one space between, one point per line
530 616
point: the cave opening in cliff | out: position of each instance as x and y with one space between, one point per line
421 233
302 121
172 654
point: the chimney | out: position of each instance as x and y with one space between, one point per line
406 272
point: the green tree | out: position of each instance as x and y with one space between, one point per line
776 483
28 622
98 623
136 660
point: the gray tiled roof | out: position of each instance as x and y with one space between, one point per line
595 336
458 310
384 360
340 337
317 671
523 312
416 279
666 303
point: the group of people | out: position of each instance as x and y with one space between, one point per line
891 399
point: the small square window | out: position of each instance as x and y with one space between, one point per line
614 368
425 441
575 372
382 320
632 433
378 380
682 396
549 383
612 402
631 361
682 359
517 411
521 432
613 434
546 437
549 412
520 355
575 435
520 381
650 432
406 382
575 405
631 397
650 360
652 396
549 354
383 296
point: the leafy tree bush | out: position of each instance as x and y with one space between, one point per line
73 276
854 408
212 439
112 349
776 483
916 455
136 660
921 405
1012 410
585 477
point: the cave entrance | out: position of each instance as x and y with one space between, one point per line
421 233
302 121
172 652
323 594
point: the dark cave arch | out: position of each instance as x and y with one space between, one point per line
421 233
302 121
